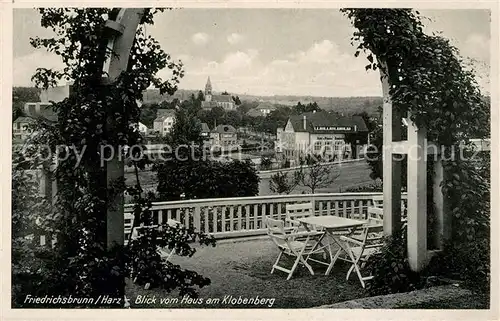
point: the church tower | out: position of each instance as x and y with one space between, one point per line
208 90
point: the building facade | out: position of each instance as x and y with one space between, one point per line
318 133
211 100
224 136
164 121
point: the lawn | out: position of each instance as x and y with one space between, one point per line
243 269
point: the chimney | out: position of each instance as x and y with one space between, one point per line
305 122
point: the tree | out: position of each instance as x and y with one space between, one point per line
283 183
316 175
80 262
201 178
148 114
265 163
201 96
20 96
430 81
236 100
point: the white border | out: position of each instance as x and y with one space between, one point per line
6 60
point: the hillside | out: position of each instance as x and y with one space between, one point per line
346 105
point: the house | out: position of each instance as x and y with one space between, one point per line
211 101
20 128
205 131
263 109
266 108
254 113
56 94
224 136
143 129
164 121
319 133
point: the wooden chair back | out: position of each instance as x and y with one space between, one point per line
378 201
296 211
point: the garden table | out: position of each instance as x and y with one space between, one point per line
334 227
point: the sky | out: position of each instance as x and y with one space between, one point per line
268 51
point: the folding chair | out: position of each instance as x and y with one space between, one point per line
378 201
128 223
376 214
377 211
360 248
291 244
296 211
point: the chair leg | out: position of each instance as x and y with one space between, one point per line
277 260
349 272
307 265
295 264
332 263
358 272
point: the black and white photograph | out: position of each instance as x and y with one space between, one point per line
251 158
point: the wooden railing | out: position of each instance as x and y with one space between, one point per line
243 216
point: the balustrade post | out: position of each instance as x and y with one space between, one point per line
197 218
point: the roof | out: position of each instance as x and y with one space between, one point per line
205 128
208 104
266 105
325 119
254 113
23 119
222 98
224 129
161 114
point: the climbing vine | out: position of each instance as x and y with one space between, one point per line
436 88
95 117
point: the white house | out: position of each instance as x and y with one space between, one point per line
164 121
318 133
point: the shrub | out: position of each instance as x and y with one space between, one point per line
206 179
391 269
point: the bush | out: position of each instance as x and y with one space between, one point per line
391 269
374 187
206 179
468 262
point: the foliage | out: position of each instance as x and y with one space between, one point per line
374 187
468 262
148 114
95 115
265 163
146 266
316 175
20 96
390 268
434 86
205 179
282 183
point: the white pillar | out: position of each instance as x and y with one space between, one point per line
417 198
443 229
391 168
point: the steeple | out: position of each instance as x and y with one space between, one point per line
208 87
208 90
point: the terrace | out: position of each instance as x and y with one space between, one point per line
242 268
241 262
